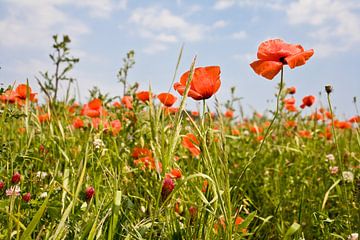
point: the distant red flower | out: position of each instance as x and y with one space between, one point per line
141 152
174 173
44 117
354 119
316 116
95 104
78 123
194 113
289 100
304 133
26 197
205 82
117 104
19 95
342 124
2 185
115 126
290 124
275 53
93 109
308 101
291 107
190 142
291 90
229 113
127 101
9 96
143 96
167 99
22 90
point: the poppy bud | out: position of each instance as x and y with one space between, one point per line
16 178
26 197
167 188
2 185
89 193
328 89
192 211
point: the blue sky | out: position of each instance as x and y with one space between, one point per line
219 32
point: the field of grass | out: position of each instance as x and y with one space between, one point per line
139 168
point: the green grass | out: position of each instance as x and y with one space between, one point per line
284 190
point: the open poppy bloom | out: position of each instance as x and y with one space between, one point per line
143 96
275 53
205 82
19 95
167 99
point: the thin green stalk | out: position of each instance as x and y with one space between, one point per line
334 134
268 130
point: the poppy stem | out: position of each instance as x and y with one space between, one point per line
268 130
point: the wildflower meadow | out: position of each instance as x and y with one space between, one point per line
142 165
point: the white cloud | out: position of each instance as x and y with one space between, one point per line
31 24
239 35
225 4
160 26
220 24
334 25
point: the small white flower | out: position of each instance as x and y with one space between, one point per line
13 191
98 143
348 176
246 133
41 175
43 195
353 236
330 157
334 170
143 209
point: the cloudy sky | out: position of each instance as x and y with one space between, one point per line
219 32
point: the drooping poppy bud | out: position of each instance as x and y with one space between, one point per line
16 178
89 193
26 197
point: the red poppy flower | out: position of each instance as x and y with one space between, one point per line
127 101
143 96
9 96
205 82
291 90
44 117
115 126
307 101
229 113
190 142
304 133
22 91
78 123
275 53
289 100
167 99
355 119
95 104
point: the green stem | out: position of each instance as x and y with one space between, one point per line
268 130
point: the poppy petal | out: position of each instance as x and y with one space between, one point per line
299 59
267 69
206 80
181 89
275 49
